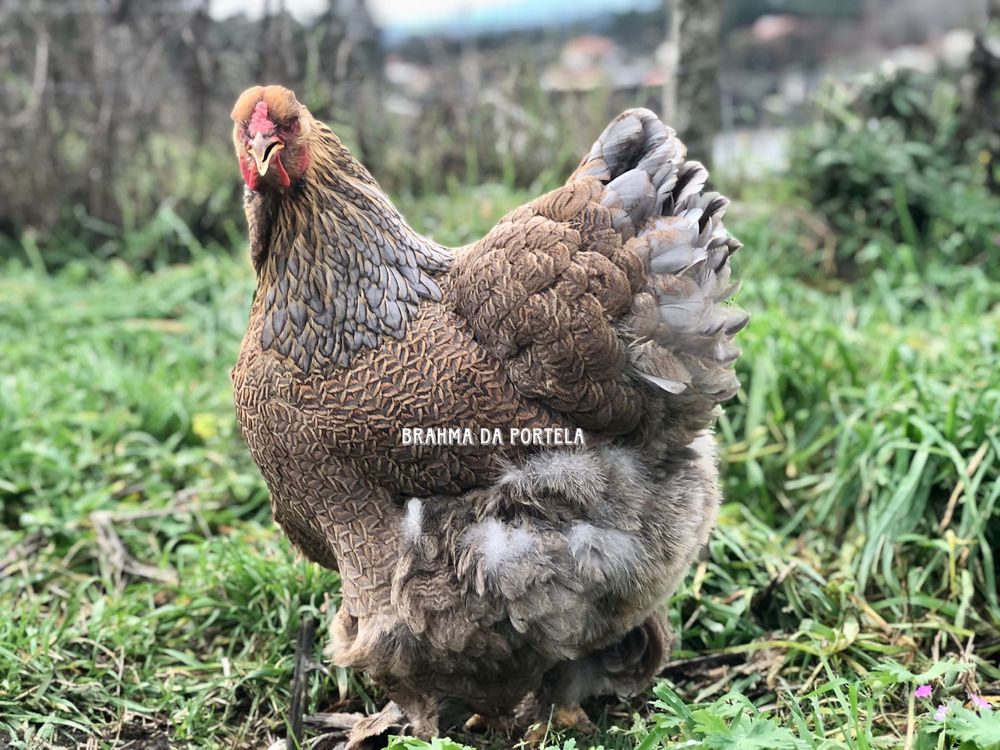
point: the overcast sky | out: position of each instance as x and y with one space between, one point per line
409 16
386 12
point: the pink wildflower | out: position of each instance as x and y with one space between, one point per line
979 702
924 691
942 711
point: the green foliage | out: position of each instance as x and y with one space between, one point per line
888 165
972 729
730 722
410 743
200 213
497 138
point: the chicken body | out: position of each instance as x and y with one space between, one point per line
486 578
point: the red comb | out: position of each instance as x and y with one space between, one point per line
260 123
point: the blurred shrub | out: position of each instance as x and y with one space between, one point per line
114 119
115 124
516 135
886 163
175 203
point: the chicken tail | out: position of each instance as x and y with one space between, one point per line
680 329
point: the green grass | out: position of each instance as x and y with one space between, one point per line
854 559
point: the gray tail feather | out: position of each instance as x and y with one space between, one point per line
681 329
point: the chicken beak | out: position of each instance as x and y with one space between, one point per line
263 149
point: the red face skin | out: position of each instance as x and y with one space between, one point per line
262 130
253 178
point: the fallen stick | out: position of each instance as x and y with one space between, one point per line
303 665
27 548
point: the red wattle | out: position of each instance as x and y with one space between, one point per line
252 177
249 171
280 169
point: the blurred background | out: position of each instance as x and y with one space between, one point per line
114 113
855 558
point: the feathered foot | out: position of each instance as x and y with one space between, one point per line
478 724
369 732
573 718
419 719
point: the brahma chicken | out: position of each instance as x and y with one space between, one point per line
488 578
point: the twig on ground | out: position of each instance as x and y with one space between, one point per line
333 721
959 490
303 662
27 548
701 662
116 553
911 721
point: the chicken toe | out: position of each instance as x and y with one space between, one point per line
370 732
572 718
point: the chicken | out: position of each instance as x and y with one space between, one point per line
505 448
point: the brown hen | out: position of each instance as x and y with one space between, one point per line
496 579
